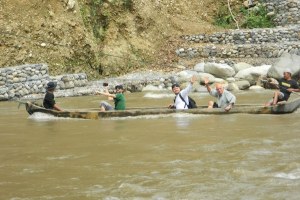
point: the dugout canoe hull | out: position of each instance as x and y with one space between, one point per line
288 107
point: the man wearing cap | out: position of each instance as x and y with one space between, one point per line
286 86
49 102
118 98
181 99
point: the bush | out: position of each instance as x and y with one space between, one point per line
255 17
223 18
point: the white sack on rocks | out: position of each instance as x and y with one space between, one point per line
256 87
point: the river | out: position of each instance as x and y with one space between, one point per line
179 156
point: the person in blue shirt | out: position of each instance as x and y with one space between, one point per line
225 99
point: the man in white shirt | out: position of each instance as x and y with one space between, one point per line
181 100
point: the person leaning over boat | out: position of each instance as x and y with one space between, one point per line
225 99
118 98
180 102
49 102
286 86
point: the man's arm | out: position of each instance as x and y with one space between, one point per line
206 81
231 99
186 91
107 94
55 106
294 87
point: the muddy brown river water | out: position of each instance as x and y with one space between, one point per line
178 156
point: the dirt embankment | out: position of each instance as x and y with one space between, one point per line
100 38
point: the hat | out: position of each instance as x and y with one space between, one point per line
51 85
175 85
119 87
288 70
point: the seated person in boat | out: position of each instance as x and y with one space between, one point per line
225 99
118 98
49 102
286 86
181 99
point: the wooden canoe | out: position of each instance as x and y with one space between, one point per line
288 107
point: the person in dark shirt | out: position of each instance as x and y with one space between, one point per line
286 86
49 102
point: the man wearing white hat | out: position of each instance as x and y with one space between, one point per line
286 86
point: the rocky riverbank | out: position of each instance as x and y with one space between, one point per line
29 81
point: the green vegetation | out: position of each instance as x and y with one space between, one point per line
255 17
97 14
223 18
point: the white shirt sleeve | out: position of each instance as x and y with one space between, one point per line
179 104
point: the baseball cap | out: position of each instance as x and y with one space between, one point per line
51 85
175 85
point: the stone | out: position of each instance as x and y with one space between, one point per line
252 74
240 66
199 67
219 70
287 60
71 4
232 87
243 85
202 76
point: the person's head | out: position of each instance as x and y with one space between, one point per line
287 74
176 88
119 88
51 86
219 88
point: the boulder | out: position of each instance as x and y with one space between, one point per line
252 74
287 60
240 66
201 77
186 75
243 85
233 87
199 67
219 70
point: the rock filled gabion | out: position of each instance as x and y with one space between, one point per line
271 50
263 43
254 43
18 81
286 12
252 36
